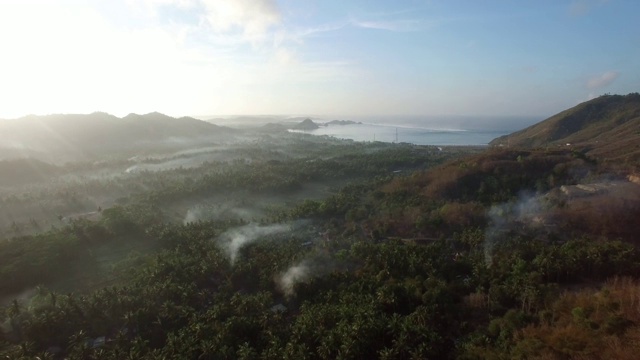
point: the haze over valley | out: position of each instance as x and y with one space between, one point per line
235 179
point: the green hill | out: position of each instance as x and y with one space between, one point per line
607 127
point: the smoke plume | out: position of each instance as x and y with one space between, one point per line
315 266
527 211
233 240
193 215
294 275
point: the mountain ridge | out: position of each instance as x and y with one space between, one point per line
83 136
606 127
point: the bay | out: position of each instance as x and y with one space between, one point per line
408 134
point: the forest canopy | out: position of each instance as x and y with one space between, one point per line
294 246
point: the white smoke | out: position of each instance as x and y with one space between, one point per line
233 240
294 275
193 215
315 266
513 215
132 169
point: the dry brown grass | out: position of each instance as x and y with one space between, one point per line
587 324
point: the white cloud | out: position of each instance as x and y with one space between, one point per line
603 80
58 58
394 25
253 17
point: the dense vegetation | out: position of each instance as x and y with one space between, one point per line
312 248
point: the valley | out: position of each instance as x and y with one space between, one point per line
276 244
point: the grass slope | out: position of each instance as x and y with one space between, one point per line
608 127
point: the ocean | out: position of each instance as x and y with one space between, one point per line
418 129
408 134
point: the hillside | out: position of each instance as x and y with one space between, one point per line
85 136
306 124
318 248
606 127
23 171
534 194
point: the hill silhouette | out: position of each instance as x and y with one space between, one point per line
83 136
343 122
306 124
606 127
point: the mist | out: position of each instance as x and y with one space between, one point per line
223 209
524 213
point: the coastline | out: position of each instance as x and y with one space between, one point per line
401 133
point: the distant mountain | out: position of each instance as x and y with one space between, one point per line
242 121
80 136
274 127
342 122
306 124
606 127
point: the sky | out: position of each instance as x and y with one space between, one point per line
342 58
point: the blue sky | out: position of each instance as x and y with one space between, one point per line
323 57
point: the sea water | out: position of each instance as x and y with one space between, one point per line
408 134
427 130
